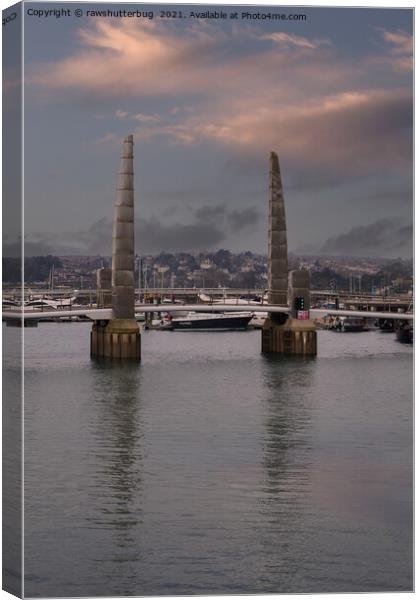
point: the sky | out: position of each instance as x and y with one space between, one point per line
207 100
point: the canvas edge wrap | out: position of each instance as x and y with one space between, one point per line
12 386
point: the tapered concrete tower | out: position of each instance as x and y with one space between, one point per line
282 333
120 337
277 238
123 240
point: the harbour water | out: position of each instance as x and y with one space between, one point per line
212 469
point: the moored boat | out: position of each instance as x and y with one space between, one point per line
196 321
405 334
354 324
258 320
41 304
386 325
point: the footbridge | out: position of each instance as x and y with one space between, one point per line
106 314
288 327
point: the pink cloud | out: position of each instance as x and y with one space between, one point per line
401 41
142 118
147 59
323 109
399 52
290 40
350 131
127 60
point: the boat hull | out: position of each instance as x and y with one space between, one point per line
354 328
405 335
354 324
227 323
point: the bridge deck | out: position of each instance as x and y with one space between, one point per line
99 314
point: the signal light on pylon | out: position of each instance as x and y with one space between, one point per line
299 303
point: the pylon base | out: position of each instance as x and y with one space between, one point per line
293 337
117 339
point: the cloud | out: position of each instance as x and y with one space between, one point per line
331 119
243 219
401 41
287 40
146 118
353 132
233 220
322 111
210 213
389 193
177 195
13 249
154 236
43 245
385 237
210 226
399 51
128 59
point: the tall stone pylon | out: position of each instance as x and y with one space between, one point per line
277 238
283 333
120 337
123 238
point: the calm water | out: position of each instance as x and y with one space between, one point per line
210 468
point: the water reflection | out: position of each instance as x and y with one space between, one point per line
286 384
287 462
212 469
117 489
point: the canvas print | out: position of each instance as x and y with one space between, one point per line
207 299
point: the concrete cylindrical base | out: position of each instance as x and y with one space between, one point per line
109 341
294 337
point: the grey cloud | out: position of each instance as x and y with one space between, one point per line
210 213
191 193
354 135
95 240
98 238
383 192
352 139
42 246
153 236
210 226
295 176
397 195
14 249
243 219
235 220
365 136
385 237
314 179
